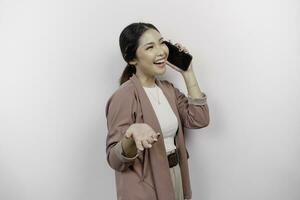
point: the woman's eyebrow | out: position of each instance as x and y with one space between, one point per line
153 42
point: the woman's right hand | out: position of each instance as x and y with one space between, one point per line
142 134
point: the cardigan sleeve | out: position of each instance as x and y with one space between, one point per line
194 112
120 115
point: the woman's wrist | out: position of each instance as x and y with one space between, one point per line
128 146
188 72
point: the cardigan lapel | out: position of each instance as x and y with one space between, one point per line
157 153
179 137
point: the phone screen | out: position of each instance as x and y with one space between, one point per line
178 58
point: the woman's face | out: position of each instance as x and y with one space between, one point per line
150 51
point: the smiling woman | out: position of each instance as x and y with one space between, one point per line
147 166
145 51
151 50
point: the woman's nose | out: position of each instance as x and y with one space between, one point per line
160 51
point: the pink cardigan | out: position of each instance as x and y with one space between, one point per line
146 176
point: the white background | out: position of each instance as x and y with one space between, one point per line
60 61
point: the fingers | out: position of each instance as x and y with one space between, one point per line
128 134
153 139
143 135
150 140
181 48
178 45
139 145
147 143
142 144
155 136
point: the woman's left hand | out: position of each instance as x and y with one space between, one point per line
184 49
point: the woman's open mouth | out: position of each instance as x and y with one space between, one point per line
160 63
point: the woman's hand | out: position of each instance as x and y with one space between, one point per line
142 134
184 49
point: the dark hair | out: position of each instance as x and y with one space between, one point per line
129 41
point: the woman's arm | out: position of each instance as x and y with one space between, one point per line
119 113
193 108
192 83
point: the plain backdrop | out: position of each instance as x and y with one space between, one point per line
60 61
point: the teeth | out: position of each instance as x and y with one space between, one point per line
160 62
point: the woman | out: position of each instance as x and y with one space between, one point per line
145 119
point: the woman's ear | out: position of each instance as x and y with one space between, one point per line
133 62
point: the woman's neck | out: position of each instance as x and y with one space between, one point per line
146 81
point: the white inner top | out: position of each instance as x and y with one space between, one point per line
166 117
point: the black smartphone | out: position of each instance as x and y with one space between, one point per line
178 58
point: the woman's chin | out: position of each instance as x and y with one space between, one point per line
160 68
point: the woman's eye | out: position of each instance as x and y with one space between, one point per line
149 47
